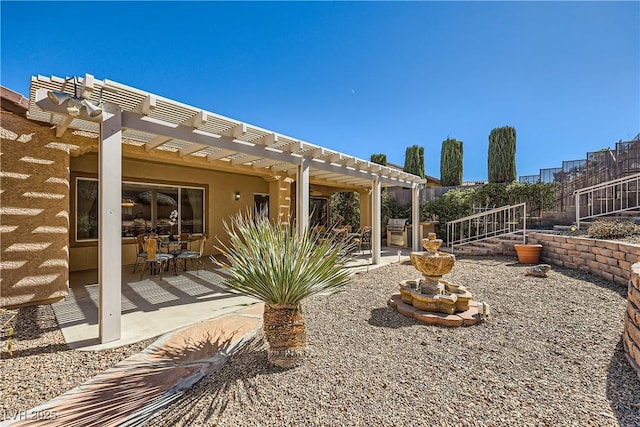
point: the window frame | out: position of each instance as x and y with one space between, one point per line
148 183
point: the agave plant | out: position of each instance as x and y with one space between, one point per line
276 265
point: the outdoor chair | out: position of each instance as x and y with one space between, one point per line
141 254
155 260
363 241
184 237
195 257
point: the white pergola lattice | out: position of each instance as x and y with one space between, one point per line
131 116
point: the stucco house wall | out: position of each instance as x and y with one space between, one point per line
34 213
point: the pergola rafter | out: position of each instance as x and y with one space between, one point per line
161 124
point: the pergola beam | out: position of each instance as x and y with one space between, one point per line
155 143
147 105
193 148
166 131
265 163
236 131
220 154
198 120
244 159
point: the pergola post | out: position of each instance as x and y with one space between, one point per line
415 216
375 221
302 195
110 218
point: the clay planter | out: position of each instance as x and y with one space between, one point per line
528 254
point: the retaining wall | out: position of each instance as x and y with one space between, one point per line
614 261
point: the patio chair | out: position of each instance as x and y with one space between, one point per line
141 254
185 238
195 257
364 240
155 259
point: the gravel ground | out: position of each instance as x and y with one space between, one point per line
550 354
42 366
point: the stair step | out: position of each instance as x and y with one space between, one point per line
471 251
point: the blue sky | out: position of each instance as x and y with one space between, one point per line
361 78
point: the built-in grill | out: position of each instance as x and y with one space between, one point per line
397 232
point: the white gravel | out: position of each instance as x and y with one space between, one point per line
550 354
42 366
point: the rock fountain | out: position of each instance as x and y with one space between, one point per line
433 300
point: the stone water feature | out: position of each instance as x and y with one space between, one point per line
433 300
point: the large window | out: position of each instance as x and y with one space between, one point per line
86 209
146 208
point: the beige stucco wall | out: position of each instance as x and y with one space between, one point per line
34 213
220 203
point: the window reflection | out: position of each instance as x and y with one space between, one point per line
86 209
146 209
319 208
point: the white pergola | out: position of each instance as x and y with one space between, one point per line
132 116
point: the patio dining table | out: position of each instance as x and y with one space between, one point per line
175 248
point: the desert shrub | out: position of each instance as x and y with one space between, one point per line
345 209
538 196
6 330
452 205
612 229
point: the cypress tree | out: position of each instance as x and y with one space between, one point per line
414 160
380 159
451 163
502 155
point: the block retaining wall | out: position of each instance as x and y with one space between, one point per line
613 261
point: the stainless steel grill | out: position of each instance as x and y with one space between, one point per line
397 232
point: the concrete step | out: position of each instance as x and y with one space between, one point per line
471 251
487 244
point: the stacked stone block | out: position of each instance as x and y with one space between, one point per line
631 337
607 259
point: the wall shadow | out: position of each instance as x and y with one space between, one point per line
623 389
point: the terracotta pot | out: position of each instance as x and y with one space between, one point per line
528 254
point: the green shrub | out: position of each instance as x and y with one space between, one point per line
451 205
345 209
539 196
612 229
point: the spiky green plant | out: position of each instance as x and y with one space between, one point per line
280 267
502 155
451 163
414 160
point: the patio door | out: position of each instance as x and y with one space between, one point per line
261 204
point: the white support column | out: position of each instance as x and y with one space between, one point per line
376 219
302 195
110 242
415 216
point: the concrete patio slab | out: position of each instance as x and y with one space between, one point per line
154 306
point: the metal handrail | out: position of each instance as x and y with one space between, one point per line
623 179
608 197
488 224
